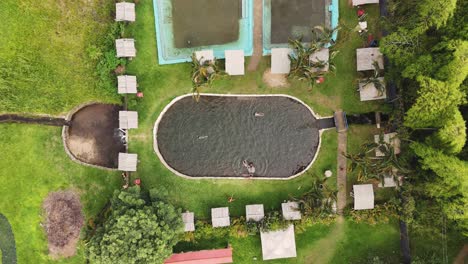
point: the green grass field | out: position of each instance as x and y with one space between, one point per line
47 70
44 63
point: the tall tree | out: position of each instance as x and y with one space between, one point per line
138 230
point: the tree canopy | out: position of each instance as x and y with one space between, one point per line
139 229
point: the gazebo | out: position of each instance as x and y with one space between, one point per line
368 92
364 2
291 211
234 62
389 138
125 12
126 84
321 55
127 162
189 221
220 217
125 48
365 58
280 62
254 212
278 244
363 196
204 55
128 119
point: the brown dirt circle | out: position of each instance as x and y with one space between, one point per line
64 220
94 136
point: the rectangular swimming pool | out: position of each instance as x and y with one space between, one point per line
291 19
185 26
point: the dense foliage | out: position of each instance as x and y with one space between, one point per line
139 229
428 50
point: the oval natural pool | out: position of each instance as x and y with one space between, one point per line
230 136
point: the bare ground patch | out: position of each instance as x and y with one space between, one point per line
64 220
275 80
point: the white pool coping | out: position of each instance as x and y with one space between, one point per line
161 158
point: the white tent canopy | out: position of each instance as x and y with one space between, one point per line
126 84
234 62
364 2
280 62
189 221
389 138
127 162
254 212
128 119
365 58
368 92
125 48
363 196
291 211
220 217
204 55
321 55
278 244
125 11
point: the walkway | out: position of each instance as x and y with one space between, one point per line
257 36
342 161
42 120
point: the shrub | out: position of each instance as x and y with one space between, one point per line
382 213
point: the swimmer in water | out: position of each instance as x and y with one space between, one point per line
202 137
259 114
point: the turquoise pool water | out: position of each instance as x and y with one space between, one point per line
168 53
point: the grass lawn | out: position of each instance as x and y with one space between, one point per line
33 164
43 57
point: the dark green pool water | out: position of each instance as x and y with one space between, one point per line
214 136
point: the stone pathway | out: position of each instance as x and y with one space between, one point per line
257 36
342 161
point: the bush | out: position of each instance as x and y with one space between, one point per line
64 220
382 213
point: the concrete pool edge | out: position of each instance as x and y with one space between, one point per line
173 101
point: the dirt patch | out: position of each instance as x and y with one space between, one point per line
64 220
94 136
275 80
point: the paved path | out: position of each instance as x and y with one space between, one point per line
257 36
342 161
462 256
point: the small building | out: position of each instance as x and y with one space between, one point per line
189 221
388 182
363 196
125 12
364 2
126 84
214 256
125 48
278 244
365 58
254 212
235 62
204 55
368 92
220 217
128 119
280 62
291 211
323 55
127 162
389 138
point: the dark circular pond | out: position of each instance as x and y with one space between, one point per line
224 136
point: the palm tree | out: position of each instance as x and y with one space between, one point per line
375 80
203 73
322 36
370 167
319 199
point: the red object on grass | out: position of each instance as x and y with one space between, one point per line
140 94
320 79
360 12
215 256
137 181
